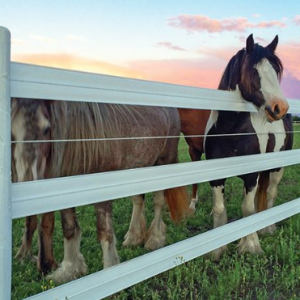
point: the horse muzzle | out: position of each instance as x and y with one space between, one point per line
276 111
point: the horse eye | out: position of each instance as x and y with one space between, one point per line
254 72
46 131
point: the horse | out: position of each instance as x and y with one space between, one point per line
46 120
193 123
255 73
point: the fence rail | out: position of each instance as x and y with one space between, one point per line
27 81
87 189
107 282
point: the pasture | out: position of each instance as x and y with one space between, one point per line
272 275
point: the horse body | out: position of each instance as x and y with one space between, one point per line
254 72
193 123
45 120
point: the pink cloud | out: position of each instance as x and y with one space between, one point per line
290 56
199 23
296 20
290 86
170 46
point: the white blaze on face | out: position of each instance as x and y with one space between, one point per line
270 87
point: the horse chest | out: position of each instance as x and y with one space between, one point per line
270 136
265 129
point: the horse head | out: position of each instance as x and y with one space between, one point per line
261 72
256 71
30 121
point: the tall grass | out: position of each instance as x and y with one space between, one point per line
272 275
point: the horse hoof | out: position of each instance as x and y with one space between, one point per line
33 259
67 273
23 255
192 206
111 261
216 254
249 247
154 243
46 267
133 240
268 230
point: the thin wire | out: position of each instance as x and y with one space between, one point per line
148 137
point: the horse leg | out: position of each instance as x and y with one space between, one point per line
249 243
105 234
73 264
156 234
219 212
195 156
137 229
26 247
46 260
275 178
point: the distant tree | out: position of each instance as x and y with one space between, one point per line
296 118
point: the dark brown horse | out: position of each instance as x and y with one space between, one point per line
57 120
193 123
255 72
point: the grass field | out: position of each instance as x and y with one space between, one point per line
272 275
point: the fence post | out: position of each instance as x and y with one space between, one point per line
5 168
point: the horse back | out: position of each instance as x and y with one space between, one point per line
122 137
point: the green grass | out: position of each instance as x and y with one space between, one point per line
272 275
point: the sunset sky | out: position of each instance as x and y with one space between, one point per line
183 42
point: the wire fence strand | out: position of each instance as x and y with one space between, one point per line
151 137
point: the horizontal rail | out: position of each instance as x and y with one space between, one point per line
107 282
29 81
34 197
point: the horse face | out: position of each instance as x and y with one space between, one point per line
30 123
260 80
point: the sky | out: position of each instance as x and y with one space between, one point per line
183 42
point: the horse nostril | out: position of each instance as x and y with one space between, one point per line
276 109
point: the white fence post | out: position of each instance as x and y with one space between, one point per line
5 167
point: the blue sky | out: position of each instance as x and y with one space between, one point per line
146 38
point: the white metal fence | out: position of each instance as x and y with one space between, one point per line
22 199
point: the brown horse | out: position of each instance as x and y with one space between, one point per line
193 123
57 120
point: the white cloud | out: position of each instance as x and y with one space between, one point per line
256 15
41 38
17 41
75 38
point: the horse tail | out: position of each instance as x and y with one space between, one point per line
177 200
261 194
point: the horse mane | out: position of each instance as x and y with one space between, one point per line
232 73
75 120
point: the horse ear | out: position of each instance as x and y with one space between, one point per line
250 44
272 46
